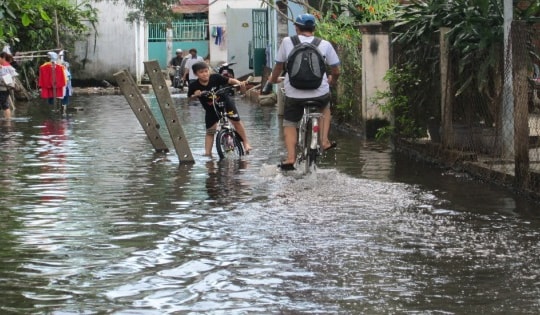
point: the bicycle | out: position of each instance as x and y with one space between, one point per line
229 144
177 79
308 146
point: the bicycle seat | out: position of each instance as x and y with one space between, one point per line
312 103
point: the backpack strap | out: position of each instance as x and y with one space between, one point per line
316 41
295 40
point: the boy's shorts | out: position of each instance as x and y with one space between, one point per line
294 110
211 117
4 100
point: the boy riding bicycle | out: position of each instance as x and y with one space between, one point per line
206 82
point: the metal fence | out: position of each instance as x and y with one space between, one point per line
181 31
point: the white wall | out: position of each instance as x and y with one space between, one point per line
119 45
236 41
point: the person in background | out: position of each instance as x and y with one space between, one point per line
178 60
7 72
68 89
206 82
192 58
305 28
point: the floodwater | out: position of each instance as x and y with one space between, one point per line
94 222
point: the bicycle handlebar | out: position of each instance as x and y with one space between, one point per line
224 89
219 91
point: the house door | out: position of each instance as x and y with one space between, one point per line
259 41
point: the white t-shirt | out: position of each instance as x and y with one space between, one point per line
190 62
328 53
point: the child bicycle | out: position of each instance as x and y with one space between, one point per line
229 144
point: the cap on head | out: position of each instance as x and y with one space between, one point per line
179 51
305 19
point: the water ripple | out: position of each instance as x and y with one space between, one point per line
94 222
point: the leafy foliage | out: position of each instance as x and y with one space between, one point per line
32 24
476 41
397 103
36 25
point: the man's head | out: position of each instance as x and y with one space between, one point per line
201 70
305 22
179 52
193 52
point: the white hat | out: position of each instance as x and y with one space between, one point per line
178 50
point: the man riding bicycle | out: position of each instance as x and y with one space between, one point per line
180 61
294 98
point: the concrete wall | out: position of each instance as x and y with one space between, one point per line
113 46
375 63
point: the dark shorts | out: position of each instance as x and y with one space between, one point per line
211 116
294 109
4 100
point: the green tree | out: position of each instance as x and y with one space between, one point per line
36 25
44 24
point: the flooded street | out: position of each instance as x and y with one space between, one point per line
94 222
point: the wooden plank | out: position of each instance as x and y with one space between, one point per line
140 108
166 105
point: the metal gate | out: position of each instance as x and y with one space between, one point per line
259 41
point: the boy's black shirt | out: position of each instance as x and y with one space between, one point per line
215 81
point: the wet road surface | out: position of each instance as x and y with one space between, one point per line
94 222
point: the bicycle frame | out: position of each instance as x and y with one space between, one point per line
308 144
177 78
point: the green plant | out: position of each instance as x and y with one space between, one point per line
347 41
396 103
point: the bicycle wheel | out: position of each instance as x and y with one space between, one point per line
177 83
309 157
229 144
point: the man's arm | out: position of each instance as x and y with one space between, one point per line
276 72
334 75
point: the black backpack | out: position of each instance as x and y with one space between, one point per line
305 64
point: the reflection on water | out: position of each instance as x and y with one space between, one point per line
93 221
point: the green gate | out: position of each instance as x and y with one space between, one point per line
260 41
